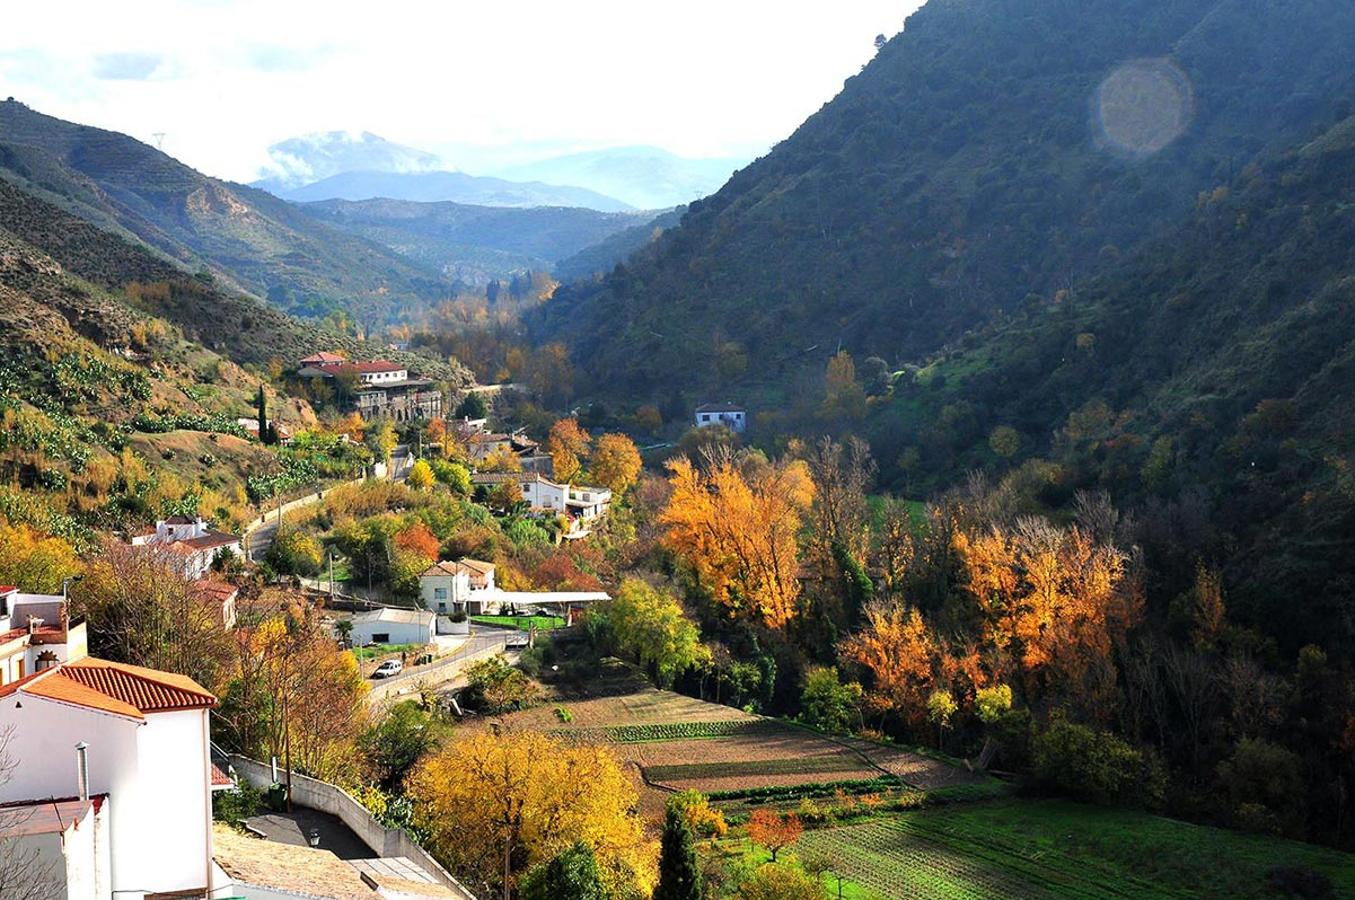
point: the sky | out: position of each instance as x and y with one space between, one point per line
484 83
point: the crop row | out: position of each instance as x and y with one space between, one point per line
818 789
804 765
673 731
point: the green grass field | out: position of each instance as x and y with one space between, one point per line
1051 848
365 653
521 623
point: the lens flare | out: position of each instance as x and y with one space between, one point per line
1143 106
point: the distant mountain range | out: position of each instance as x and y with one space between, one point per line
454 187
644 177
304 160
337 165
474 244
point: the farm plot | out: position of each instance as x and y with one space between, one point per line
892 863
1022 848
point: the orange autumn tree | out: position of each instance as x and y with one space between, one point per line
418 538
1054 600
736 525
774 831
567 445
901 654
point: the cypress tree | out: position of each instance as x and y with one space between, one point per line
262 404
679 874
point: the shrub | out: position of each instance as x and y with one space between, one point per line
1264 788
237 804
828 704
1096 766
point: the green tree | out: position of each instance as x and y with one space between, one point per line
1005 441
571 875
941 706
383 440
294 552
679 874
391 747
1095 766
650 626
827 703
991 704
454 475
472 407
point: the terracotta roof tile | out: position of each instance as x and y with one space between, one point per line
220 778
116 688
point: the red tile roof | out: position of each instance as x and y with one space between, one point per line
117 688
210 591
7 588
45 816
220 778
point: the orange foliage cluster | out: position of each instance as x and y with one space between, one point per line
738 531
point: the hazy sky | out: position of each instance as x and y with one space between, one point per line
485 83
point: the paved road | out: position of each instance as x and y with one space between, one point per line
444 673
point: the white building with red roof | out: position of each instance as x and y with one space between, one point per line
194 544
36 633
135 738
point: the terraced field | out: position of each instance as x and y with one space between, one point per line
1036 849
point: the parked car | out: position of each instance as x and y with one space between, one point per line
516 641
388 668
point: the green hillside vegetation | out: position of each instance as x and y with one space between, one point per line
474 244
1209 376
605 255
963 170
241 234
238 326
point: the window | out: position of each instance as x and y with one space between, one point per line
705 417
381 637
439 593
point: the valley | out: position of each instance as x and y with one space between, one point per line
955 500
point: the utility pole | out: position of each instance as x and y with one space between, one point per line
331 577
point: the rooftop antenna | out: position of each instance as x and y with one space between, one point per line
159 140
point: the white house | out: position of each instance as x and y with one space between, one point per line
36 633
733 417
446 587
389 625
138 739
580 502
194 544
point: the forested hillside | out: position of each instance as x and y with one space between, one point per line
240 327
994 151
243 235
1210 377
475 244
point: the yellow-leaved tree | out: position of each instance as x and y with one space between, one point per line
496 804
567 445
736 524
615 463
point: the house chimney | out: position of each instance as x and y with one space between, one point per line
82 769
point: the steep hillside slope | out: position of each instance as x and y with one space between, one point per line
996 149
602 257
454 187
474 244
1209 377
244 235
240 327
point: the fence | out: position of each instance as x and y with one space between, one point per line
325 797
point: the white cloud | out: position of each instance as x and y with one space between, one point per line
475 81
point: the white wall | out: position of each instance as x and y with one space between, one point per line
457 588
399 632
155 774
